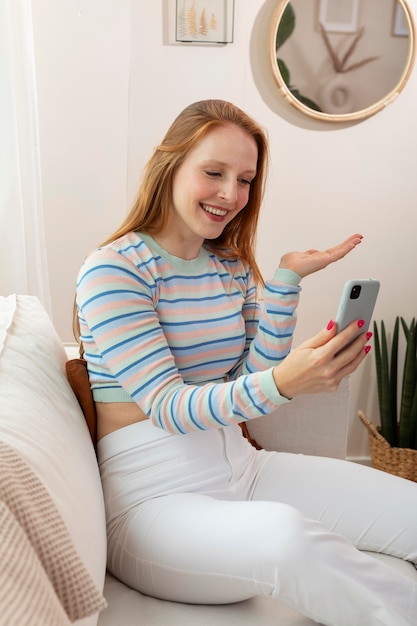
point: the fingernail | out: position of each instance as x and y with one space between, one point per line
360 323
368 335
330 325
367 349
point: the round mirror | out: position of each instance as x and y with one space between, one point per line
341 60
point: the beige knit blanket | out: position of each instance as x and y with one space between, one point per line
42 578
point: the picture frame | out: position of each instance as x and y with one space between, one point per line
400 24
204 21
339 16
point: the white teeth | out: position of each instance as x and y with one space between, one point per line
211 209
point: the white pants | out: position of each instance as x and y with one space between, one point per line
205 518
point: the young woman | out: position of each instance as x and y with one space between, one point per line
180 352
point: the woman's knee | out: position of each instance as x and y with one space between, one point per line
282 536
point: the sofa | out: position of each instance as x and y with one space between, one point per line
52 520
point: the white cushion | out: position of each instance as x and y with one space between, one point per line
130 608
40 417
314 424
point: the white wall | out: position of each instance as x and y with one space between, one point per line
326 181
82 50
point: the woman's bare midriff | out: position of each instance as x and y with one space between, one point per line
114 415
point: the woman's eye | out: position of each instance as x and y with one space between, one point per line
213 174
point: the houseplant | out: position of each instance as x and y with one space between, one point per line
285 30
393 445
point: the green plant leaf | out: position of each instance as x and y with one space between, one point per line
286 26
285 30
407 427
284 71
378 365
405 328
414 419
393 376
307 101
388 424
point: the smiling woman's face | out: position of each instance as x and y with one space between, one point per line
210 187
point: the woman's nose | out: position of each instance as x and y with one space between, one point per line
228 190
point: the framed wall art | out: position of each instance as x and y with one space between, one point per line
339 16
400 27
204 21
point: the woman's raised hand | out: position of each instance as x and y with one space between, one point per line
310 261
320 363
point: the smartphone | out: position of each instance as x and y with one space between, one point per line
357 303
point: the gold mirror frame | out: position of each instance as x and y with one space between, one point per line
341 117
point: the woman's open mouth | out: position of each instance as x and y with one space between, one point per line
214 211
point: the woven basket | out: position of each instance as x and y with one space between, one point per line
399 461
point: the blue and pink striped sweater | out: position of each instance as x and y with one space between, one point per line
186 340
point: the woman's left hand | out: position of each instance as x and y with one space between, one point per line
310 261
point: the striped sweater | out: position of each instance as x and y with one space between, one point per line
186 340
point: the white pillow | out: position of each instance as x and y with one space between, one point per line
40 417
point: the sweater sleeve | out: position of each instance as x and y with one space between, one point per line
270 326
117 314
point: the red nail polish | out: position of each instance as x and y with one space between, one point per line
330 325
360 323
367 349
368 335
